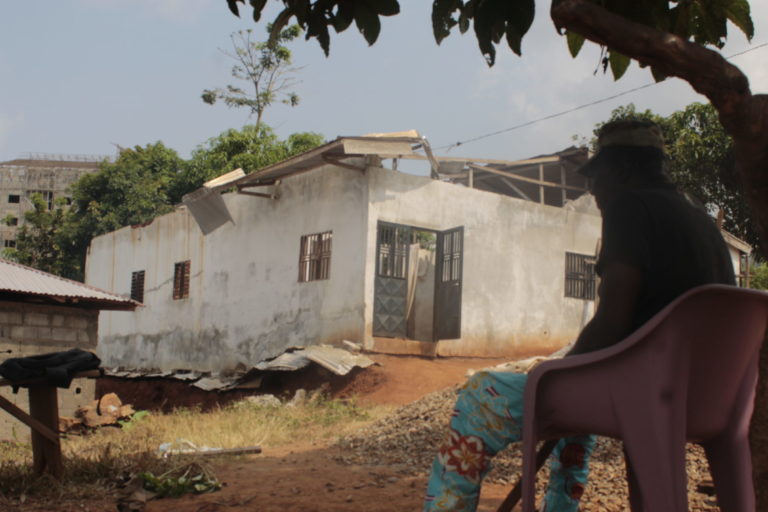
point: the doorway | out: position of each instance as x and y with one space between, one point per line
418 283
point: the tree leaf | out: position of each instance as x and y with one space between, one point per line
344 15
258 6
317 27
367 22
442 18
575 42
489 27
658 76
232 4
619 64
738 12
519 17
385 7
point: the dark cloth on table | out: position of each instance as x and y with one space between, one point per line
675 244
58 368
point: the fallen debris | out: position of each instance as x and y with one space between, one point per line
108 410
185 447
334 359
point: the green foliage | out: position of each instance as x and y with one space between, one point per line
131 190
134 420
702 22
39 240
179 481
143 183
759 277
249 149
264 66
702 162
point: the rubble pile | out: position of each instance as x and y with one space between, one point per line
107 410
410 437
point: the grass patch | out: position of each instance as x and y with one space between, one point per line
97 463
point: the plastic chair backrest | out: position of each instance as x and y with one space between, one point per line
688 373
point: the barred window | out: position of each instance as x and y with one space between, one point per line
181 280
14 198
579 276
137 286
451 269
393 250
315 257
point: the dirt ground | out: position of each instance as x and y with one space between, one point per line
302 477
306 477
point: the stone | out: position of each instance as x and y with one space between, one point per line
264 401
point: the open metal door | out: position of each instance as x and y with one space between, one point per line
448 277
390 295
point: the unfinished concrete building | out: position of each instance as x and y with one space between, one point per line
37 173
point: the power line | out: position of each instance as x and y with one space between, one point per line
574 109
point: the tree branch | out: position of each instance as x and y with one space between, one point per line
707 71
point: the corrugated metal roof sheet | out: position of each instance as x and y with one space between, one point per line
19 279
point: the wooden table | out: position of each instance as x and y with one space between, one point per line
43 420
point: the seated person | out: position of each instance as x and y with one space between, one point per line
656 245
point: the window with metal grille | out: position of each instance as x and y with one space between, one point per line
579 276
14 198
393 250
181 280
137 286
451 256
315 257
12 221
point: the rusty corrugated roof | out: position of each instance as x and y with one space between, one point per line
20 281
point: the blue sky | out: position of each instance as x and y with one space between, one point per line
79 76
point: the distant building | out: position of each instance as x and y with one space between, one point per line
48 175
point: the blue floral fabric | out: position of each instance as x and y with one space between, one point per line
486 418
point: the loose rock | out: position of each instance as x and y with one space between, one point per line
410 437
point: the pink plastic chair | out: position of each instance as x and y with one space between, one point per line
688 374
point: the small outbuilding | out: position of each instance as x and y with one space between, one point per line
41 313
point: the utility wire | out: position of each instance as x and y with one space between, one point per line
574 109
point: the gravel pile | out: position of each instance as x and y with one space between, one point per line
409 438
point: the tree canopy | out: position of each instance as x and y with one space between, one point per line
701 162
264 66
142 183
493 20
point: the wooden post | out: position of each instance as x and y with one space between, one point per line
43 406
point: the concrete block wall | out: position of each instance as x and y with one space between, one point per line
32 329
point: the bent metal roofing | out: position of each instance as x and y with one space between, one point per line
21 283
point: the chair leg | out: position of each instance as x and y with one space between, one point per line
658 478
514 495
730 462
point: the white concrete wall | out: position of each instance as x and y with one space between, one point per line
514 261
245 302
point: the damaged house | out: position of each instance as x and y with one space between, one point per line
482 258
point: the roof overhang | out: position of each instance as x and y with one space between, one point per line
334 152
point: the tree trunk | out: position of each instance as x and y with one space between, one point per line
743 115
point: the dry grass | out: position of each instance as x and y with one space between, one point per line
96 463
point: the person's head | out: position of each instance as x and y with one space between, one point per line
630 153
